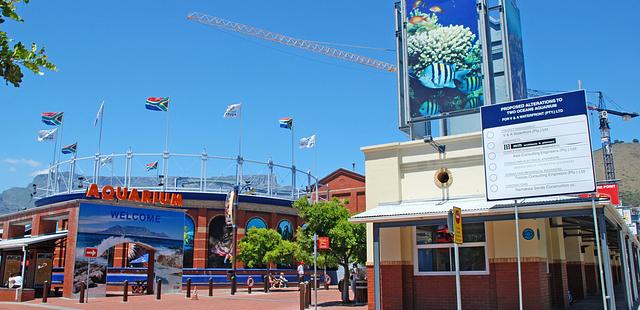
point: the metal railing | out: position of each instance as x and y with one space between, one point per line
189 173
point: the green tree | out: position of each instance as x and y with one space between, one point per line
256 247
12 58
331 219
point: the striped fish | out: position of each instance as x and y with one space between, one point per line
428 108
470 84
474 102
441 75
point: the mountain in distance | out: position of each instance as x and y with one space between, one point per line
626 161
132 231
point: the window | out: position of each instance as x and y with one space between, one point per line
256 222
434 254
189 231
285 229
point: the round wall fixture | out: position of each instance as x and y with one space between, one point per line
443 178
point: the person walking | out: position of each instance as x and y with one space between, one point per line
301 272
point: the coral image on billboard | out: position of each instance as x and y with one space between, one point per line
444 57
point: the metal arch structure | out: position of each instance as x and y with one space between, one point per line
290 41
274 180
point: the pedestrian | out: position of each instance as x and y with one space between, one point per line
354 278
301 272
15 280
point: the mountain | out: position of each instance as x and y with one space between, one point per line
626 160
132 231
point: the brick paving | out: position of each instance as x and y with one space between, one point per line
279 299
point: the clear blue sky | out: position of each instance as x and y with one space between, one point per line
123 52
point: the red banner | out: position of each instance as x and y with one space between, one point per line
323 243
610 190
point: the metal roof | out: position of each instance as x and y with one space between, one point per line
20 242
437 208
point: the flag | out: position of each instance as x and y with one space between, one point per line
308 142
52 118
157 104
152 166
99 114
233 111
286 122
47 134
106 160
71 148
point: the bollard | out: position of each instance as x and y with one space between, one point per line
82 288
125 292
210 287
45 291
303 298
189 288
234 284
266 284
308 294
158 288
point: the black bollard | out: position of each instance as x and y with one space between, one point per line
234 284
211 286
45 292
308 294
158 288
189 288
125 291
82 288
266 284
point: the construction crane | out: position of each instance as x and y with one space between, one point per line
605 129
290 41
605 134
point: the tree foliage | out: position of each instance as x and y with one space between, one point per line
331 219
254 249
12 58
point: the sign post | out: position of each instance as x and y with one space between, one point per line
455 221
537 147
89 253
315 270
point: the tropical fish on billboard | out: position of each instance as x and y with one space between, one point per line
435 9
429 108
470 84
441 75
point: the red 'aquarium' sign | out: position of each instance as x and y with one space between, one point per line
108 192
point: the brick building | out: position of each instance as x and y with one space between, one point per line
54 226
409 191
344 184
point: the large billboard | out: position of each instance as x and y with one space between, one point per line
537 147
159 232
513 36
444 57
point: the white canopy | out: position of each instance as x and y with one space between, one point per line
20 242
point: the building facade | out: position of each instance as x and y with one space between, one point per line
410 189
344 184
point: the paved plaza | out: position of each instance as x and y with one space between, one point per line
279 299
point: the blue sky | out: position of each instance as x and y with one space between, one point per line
123 52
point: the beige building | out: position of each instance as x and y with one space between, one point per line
410 188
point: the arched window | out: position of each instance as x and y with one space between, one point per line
256 222
189 231
220 235
285 229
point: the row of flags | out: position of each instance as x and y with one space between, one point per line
153 104
233 111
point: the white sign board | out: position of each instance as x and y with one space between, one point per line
537 147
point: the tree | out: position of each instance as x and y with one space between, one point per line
254 249
13 57
331 219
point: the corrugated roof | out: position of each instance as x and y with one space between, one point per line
408 210
20 242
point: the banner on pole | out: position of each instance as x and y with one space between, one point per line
323 243
228 206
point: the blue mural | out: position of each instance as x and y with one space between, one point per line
105 226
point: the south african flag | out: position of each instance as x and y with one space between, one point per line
72 148
52 118
286 122
152 166
157 104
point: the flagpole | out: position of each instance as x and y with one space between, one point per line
293 165
240 137
53 162
98 163
165 166
55 183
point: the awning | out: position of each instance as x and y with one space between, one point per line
405 211
11 244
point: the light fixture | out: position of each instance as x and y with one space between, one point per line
438 147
